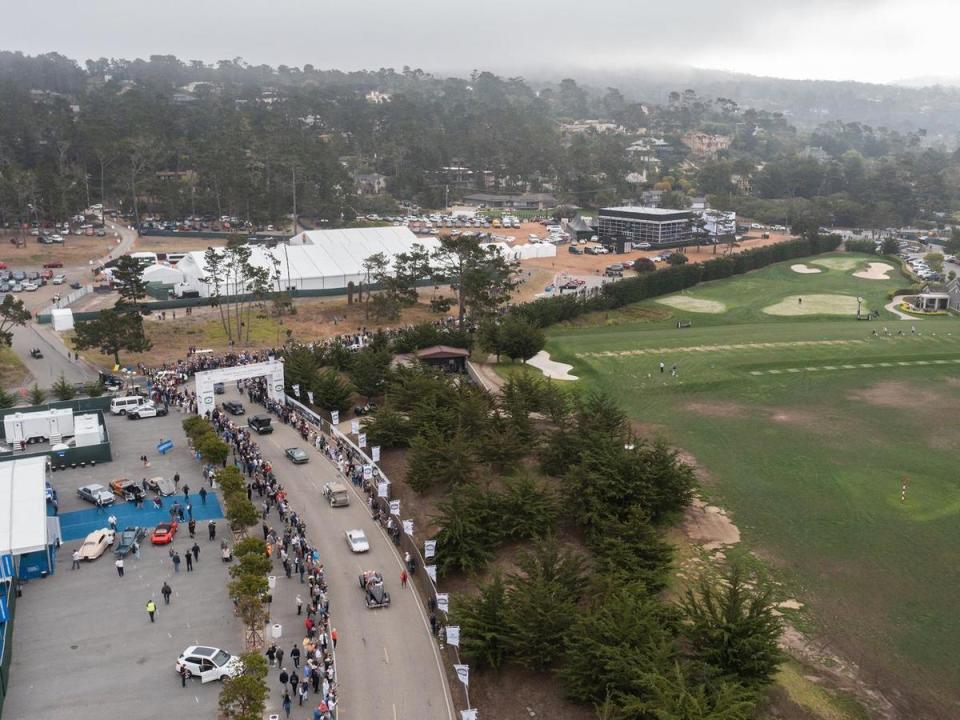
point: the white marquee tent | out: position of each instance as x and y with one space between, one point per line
23 505
162 274
312 260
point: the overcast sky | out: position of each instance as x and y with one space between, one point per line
869 40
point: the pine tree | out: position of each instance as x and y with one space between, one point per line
481 620
62 390
467 533
330 392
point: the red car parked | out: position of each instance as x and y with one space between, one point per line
163 533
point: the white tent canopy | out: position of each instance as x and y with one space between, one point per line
23 505
312 260
162 274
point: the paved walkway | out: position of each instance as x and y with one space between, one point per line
895 304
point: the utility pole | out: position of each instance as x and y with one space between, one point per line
294 171
446 198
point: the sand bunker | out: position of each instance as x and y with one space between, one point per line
692 304
815 305
875 271
804 269
837 263
551 368
709 526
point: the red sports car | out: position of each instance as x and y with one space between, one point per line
163 533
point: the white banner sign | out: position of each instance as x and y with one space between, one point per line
335 417
355 426
408 527
362 440
375 453
463 673
468 714
443 602
383 490
395 507
310 396
453 635
429 548
367 472
431 572
296 390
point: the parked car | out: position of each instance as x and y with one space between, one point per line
91 493
129 490
30 286
375 594
615 270
298 456
357 540
233 407
53 264
208 663
163 487
147 410
75 285
125 541
163 533
96 543
575 249
59 279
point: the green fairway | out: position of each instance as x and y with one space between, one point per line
806 426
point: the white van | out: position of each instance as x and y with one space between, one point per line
120 405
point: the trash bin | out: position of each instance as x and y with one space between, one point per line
276 631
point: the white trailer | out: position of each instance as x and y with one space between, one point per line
53 424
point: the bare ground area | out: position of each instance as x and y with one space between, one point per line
76 250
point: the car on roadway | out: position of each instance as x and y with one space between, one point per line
96 543
375 594
298 456
164 487
261 423
233 407
147 410
208 663
357 540
76 285
126 540
336 494
163 533
93 492
129 490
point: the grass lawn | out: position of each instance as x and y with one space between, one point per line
12 370
806 426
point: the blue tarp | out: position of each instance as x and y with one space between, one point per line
78 524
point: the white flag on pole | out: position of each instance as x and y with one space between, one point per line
395 507
470 714
296 390
334 417
453 635
443 602
355 427
382 490
431 571
310 396
367 472
408 527
463 673
362 440
375 453
429 548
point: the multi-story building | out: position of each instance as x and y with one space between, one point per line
627 227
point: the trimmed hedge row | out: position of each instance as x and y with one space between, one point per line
549 311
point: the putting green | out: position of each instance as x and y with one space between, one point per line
837 263
814 305
692 304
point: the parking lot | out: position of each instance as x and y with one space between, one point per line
83 645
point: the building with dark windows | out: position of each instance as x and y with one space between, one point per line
629 227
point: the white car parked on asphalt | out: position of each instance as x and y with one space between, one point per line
208 663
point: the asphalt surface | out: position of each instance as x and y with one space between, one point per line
83 645
388 664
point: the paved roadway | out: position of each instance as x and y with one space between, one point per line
387 660
55 360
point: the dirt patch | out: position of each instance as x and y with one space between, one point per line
709 526
837 263
692 304
805 269
901 395
791 416
875 271
75 250
814 305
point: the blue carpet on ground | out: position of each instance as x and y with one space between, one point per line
78 524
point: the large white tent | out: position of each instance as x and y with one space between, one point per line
164 274
312 260
23 505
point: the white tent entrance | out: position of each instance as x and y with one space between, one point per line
272 370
